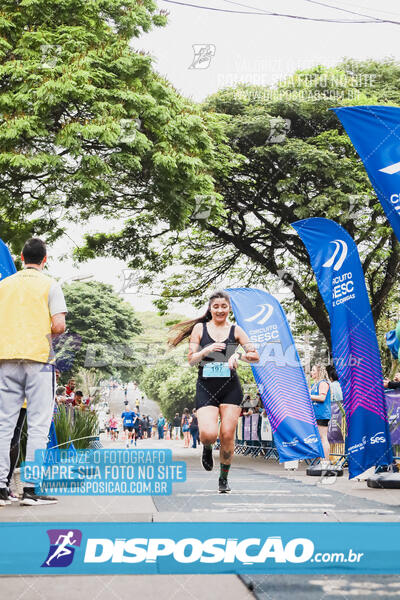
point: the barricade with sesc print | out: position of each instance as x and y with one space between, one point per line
254 437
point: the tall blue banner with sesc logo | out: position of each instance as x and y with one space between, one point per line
279 375
337 267
375 133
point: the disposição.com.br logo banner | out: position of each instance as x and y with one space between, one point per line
173 548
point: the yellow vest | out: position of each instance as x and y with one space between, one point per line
25 322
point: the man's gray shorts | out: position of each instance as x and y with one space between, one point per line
19 380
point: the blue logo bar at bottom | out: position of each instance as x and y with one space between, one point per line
173 548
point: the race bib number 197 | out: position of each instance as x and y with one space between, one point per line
216 369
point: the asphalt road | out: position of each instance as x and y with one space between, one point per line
261 491
323 587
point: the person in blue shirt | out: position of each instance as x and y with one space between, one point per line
129 419
321 399
160 427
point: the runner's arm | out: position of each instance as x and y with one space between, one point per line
251 355
195 356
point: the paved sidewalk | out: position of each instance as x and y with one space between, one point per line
124 587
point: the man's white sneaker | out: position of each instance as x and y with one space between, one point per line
29 498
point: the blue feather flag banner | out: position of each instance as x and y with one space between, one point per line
7 266
337 267
279 375
375 134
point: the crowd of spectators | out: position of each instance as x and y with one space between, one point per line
252 406
69 396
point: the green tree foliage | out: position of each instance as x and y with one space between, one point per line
106 326
178 392
87 127
172 386
152 379
298 163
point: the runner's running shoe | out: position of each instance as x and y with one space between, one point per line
223 486
207 458
29 498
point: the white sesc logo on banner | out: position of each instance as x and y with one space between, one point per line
391 169
338 257
378 438
264 307
311 439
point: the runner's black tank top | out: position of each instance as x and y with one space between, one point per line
222 355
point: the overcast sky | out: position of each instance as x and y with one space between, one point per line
259 49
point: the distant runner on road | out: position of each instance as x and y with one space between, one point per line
129 419
213 347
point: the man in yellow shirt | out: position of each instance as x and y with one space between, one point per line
32 308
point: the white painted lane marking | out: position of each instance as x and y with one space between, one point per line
276 509
253 493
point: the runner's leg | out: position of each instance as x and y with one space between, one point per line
229 417
208 424
230 414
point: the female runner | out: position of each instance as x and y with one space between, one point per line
213 347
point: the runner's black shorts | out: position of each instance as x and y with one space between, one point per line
129 428
213 391
324 422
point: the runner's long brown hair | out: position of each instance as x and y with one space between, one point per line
185 328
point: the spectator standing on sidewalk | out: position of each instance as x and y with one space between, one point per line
32 307
70 391
177 427
336 390
321 399
194 428
160 427
185 422
145 426
149 426
78 399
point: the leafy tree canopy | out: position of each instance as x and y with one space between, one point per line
87 127
293 161
101 329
